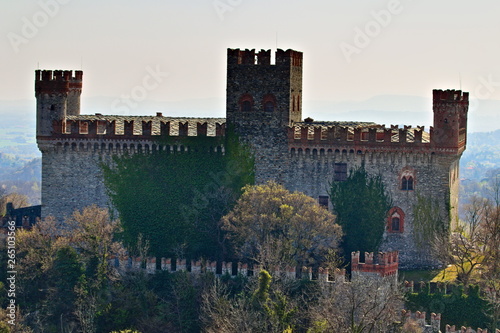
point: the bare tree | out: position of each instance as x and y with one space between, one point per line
17 200
363 305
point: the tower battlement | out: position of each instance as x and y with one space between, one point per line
450 96
57 81
263 57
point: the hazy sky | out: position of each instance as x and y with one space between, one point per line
353 50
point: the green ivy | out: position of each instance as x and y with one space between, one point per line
429 222
456 308
175 199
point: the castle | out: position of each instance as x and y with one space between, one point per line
264 106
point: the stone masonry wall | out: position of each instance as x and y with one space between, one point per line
313 174
72 180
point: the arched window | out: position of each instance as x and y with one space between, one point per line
407 178
404 183
395 220
269 106
407 183
269 103
246 103
246 106
395 223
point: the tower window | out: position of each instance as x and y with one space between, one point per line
246 106
246 103
340 172
269 106
395 220
323 201
269 103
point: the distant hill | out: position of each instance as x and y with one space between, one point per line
482 155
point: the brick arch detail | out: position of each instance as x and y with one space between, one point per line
269 98
407 173
245 98
399 213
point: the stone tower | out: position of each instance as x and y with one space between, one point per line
258 91
57 96
262 100
450 119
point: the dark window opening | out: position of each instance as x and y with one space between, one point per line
340 172
407 183
246 106
410 183
395 224
323 201
269 106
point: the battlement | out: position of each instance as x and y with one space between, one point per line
360 138
450 96
139 127
57 81
263 57
420 319
452 329
385 264
151 265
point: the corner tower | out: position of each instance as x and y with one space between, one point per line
259 92
450 109
57 96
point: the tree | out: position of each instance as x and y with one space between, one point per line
263 309
275 227
366 304
63 269
361 204
465 247
176 199
17 200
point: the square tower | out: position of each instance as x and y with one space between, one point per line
259 92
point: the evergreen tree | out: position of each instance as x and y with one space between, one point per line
361 204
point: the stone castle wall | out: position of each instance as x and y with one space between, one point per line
264 108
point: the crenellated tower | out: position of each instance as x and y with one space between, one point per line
262 100
57 96
261 92
450 119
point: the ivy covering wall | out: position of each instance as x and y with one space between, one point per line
175 197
